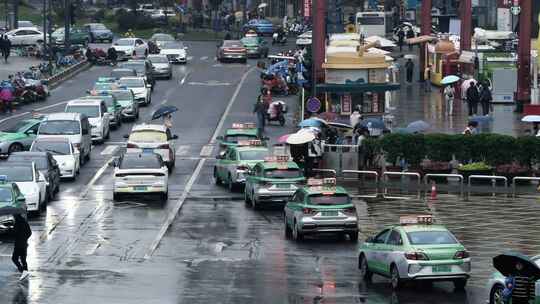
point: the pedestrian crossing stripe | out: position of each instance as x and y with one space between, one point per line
182 150
204 58
189 58
110 150
207 150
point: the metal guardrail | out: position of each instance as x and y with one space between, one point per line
363 174
522 178
458 176
401 174
493 178
53 80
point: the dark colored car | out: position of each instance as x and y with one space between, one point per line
231 50
99 32
143 68
261 26
46 164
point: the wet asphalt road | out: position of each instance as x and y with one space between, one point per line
88 249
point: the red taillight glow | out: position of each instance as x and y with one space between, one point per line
416 256
309 211
462 254
130 145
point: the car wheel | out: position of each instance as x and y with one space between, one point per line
364 269
164 196
354 237
496 294
217 180
117 197
230 184
15 147
288 232
247 200
87 158
460 284
108 134
82 158
395 280
297 235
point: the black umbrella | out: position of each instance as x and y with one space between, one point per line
507 264
164 110
10 210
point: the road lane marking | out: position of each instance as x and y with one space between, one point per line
109 150
206 151
27 112
182 150
13 117
180 202
204 58
210 83
164 101
184 78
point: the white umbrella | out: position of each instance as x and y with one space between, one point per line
300 138
262 5
531 118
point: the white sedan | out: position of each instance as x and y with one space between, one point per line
30 181
140 88
175 51
140 173
153 138
63 151
25 36
127 48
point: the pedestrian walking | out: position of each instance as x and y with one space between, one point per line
410 34
427 79
6 95
167 121
485 99
22 233
7 48
409 67
2 45
401 37
260 109
473 97
449 94
113 56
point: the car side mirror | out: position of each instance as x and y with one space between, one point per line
221 155
126 136
88 92
370 239
30 132
174 137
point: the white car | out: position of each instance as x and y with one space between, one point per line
140 173
127 48
153 138
30 181
161 13
175 51
96 111
66 155
25 36
140 88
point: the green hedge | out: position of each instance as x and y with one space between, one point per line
494 149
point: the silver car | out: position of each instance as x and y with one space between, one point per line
161 66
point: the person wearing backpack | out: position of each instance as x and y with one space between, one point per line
22 232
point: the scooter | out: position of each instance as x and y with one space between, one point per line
279 39
276 112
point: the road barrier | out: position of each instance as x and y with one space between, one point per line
521 178
363 175
56 79
458 176
401 174
493 178
340 156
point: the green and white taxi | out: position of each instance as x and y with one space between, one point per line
233 164
19 137
320 207
273 181
10 197
238 132
416 249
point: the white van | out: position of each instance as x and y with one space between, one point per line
74 126
96 111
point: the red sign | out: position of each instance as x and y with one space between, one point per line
346 104
307 8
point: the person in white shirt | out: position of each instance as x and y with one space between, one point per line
449 93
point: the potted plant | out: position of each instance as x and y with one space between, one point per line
476 168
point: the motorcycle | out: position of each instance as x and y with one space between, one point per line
276 112
279 38
275 84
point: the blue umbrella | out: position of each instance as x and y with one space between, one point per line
417 126
164 110
450 79
373 123
311 122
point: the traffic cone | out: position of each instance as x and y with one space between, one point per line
433 190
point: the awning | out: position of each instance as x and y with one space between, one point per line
356 87
420 39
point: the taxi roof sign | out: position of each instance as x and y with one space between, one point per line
246 125
251 142
425 219
328 181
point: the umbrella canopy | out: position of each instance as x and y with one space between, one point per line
418 126
164 111
300 138
263 5
312 122
507 264
10 210
450 79
339 125
283 138
531 118
373 123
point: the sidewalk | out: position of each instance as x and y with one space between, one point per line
410 103
16 64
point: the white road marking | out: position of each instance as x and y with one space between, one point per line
207 150
204 58
13 116
26 113
164 101
180 202
210 83
189 58
109 150
182 150
184 78
51 106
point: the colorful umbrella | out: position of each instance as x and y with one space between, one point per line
418 126
531 118
450 79
300 138
283 138
312 122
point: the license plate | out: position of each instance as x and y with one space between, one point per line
139 188
148 150
441 268
329 213
283 186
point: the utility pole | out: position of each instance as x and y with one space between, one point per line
523 95
466 25
67 23
45 24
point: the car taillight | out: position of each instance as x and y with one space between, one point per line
462 254
130 145
309 211
351 210
416 256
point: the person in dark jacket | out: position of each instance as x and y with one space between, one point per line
22 233
260 109
473 97
2 45
7 48
409 66
401 37
485 99
410 34
113 56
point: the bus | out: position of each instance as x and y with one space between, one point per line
374 23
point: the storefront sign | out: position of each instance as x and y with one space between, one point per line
346 104
307 8
313 104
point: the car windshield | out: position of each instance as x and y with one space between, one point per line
162 37
124 42
158 59
282 173
253 155
132 82
172 45
40 161
108 99
143 162
236 138
431 237
59 31
57 148
59 127
18 174
90 111
148 136
18 127
98 27
233 44
123 95
329 200
250 40
5 195
103 86
123 73
139 67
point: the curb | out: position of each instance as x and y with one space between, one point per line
59 78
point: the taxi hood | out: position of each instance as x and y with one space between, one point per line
514 263
4 136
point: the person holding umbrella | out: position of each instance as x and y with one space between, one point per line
22 233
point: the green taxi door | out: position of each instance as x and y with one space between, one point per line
394 243
252 179
294 205
224 164
377 250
